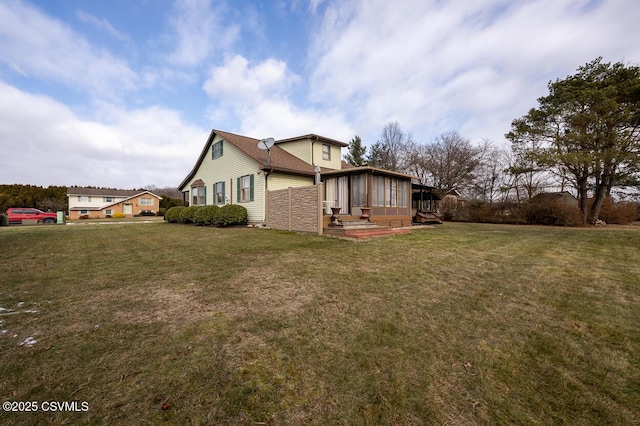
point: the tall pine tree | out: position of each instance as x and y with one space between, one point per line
356 155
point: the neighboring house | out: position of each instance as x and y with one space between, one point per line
564 198
232 169
100 202
449 200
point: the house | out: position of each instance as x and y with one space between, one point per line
449 200
564 198
104 202
233 169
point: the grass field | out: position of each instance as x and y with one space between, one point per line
458 324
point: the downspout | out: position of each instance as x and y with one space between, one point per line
313 162
266 196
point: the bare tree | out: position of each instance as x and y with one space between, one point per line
490 178
451 162
527 178
390 152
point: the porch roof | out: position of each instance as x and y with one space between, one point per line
365 169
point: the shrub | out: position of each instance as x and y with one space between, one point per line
4 219
206 215
553 213
619 213
172 215
161 211
84 216
186 215
118 215
232 214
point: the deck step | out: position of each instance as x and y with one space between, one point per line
377 231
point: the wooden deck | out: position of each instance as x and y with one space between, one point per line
362 229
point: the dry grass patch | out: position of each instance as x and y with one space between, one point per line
459 324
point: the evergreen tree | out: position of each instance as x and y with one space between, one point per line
356 156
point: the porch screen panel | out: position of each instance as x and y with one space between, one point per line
357 190
403 193
394 192
343 194
378 191
387 192
330 191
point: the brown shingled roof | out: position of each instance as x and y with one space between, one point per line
280 160
103 192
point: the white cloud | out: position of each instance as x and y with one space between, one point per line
257 98
102 24
35 45
236 82
437 66
199 31
45 143
281 119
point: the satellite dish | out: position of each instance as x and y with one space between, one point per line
266 143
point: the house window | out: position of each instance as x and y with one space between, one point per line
218 189
108 212
245 189
198 196
84 198
108 200
84 211
216 150
146 202
326 152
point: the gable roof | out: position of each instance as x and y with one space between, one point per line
313 136
279 161
106 192
550 196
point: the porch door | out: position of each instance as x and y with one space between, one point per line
337 191
128 209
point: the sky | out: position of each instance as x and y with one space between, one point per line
124 93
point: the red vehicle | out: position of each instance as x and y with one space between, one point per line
18 214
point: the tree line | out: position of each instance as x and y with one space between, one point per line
583 137
54 198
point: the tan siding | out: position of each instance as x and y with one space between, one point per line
281 181
301 149
336 156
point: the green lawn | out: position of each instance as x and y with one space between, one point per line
458 324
